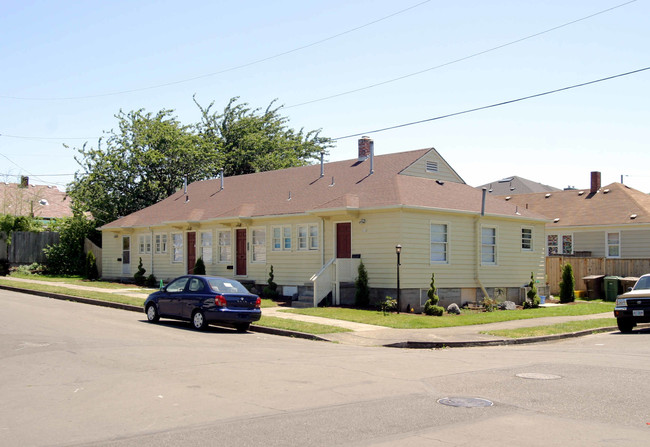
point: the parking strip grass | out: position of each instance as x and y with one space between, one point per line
298 326
467 318
554 329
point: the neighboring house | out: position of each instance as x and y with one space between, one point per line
515 185
40 201
609 222
314 224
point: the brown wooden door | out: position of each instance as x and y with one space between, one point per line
343 240
240 236
191 252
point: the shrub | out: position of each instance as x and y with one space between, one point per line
362 292
199 267
431 305
489 304
68 257
271 289
567 285
139 275
533 299
91 266
388 305
151 282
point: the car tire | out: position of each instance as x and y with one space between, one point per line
198 321
242 327
625 325
152 313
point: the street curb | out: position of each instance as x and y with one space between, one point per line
501 342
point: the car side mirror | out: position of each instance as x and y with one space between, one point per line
629 289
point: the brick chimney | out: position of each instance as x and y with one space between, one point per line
595 181
364 148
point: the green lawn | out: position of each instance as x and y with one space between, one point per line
414 321
298 326
560 328
80 281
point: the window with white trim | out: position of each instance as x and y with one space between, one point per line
307 237
282 238
488 245
439 243
614 245
225 248
144 243
177 247
559 244
160 243
206 246
527 239
259 244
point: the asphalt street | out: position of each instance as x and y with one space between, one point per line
74 374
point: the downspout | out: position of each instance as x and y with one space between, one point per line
478 246
153 249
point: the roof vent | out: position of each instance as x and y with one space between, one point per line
548 195
633 216
43 202
556 220
440 182
508 198
581 193
605 191
512 188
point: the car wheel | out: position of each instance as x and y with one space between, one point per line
242 327
198 320
625 325
152 313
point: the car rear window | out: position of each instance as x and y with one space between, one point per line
226 286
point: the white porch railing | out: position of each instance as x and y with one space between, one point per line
330 277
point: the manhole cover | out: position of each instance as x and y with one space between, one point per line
467 402
538 376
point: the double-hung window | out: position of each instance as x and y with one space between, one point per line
307 237
527 239
259 244
439 241
206 247
144 243
614 245
177 247
488 245
160 243
282 238
224 246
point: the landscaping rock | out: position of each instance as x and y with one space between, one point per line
453 309
508 305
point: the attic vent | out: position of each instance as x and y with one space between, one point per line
605 191
432 166
43 202
581 193
633 216
556 220
548 195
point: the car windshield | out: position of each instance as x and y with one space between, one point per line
226 286
643 283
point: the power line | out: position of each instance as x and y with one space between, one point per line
226 70
455 61
537 95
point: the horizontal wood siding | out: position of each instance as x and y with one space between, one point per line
111 251
445 172
592 241
635 244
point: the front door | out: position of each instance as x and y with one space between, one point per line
343 240
191 252
240 236
126 255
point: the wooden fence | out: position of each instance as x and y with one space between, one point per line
27 247
583 267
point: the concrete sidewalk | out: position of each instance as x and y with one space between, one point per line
370 335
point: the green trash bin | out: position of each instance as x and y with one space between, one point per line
612 287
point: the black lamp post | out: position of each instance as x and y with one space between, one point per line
398 250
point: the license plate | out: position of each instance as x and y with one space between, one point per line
637 313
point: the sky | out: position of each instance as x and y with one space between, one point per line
346 67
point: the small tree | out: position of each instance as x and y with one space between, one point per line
151 282
271 289
68 257
431 306
567 285
199 267
533 298
91 266
362 293
139 275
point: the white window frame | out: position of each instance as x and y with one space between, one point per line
494 244
609 245
258 254
527 238
144 244
444 243
225 249
160 243
560 244
308 240
281 235
177 248
206 247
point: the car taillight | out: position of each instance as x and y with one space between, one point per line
258 303
220 300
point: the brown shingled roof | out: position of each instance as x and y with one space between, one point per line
345 185
43 201
614 204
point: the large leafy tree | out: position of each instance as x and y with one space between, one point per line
147 158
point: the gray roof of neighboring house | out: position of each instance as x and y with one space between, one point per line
516 185
346 185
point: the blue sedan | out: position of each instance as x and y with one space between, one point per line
203 300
